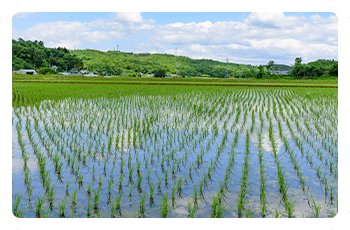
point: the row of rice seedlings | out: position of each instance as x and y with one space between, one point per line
322 177
262 177
176 164
241 199
282 181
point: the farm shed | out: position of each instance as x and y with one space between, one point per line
27 71
91 75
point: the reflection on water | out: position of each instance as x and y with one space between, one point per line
169 148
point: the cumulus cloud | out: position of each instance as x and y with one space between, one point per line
273 20
274 36
131 17
202 32
22 14
74 33
257 39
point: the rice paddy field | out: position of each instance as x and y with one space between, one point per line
173 151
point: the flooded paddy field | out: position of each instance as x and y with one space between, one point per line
189 152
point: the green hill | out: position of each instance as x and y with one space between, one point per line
29 54
130 64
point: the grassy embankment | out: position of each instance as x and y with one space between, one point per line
269 81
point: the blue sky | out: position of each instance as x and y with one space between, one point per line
243 37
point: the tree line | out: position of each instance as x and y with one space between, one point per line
33 55
315 69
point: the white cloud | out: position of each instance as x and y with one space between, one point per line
257 39
132 17
273 19
22 14
67 43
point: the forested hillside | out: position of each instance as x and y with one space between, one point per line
131 64
29 55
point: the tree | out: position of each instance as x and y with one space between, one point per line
261 71
161 72
270 65
297 69
47 70
333 70
298 60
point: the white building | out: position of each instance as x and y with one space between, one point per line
91 75
63 73
27 71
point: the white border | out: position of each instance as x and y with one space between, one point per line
10 7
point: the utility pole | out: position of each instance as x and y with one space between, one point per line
157 49
117 47
177 66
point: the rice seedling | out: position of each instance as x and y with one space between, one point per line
249 213
61 207
30 191
74 196
18 212
192 208
80 179
88 189
120 181
39 203
118 199
100 180
164 206
68 131
142 204
45 213
290 208
151 190
317 209
96 199
72 214
51 195
278 214
216 208
130 190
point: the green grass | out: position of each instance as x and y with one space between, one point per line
332 81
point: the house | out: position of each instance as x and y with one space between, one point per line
84 71
54 67
74 71
27 71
